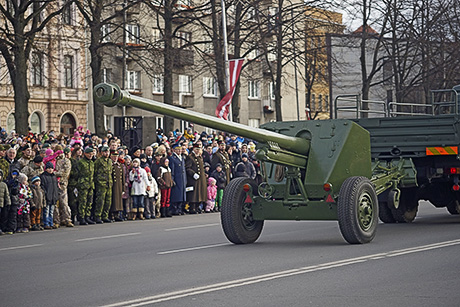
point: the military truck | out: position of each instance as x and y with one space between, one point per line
425 134
312 170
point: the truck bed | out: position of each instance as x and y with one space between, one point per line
410 136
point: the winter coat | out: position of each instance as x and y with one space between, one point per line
221 179
38 197
138 178
197 188
164 178
152 187
4 195
49 184
179 176
118 187
212 192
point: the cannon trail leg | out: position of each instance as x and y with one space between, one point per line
236 216
357 210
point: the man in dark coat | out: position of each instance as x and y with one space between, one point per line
196 179
118 187
177 166
221 157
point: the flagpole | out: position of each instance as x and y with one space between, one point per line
224 33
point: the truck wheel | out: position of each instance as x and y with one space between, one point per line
236 216
454 207
408 207
385 214
357 210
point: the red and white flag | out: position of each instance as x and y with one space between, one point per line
223 107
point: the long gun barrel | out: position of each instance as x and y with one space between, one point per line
111 95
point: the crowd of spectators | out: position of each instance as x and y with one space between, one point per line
50 180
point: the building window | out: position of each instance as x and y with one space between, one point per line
158 84
133 80
326 100
68 71
159 122
254 122
67 15
253 89
37 69
313 101
132 34
184 39
185 84
35 123
105 33
209 86
157 38
107 75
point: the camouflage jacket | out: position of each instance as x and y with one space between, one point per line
63 167
73 177
85 174
32 170
23 162
103 171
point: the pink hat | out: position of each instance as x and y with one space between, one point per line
211 180
49 152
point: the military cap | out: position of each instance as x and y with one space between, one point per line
196 145
46 145
38 159
114 153
104 148
89 149
66 150
175 145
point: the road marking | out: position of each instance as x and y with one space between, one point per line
191 249
109 237
19 247
191 227
277 275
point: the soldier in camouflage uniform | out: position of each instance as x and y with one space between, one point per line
85 186
4 165
104 181
26 157
35 168
63 167
72 191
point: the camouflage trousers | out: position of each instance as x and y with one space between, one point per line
62 213
85 202
72 200
103 202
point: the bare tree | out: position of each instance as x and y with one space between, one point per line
22 23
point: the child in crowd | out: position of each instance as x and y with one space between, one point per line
25 194
10 212
152 195
212 193
49 184
221 179
138 178
165 182
37 203
5 201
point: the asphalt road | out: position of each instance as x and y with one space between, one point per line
187 261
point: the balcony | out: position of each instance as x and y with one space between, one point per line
183 100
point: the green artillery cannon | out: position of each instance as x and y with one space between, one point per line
312 170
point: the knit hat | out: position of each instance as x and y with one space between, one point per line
49 152
147 169
137 160
34 179
22 178
49 165
244 155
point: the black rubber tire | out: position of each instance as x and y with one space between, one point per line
385 213
357 196
236 215
408 207
453 208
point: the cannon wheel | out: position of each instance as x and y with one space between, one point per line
385 213
408 207
236 216
357 210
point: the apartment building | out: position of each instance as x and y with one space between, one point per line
56 78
